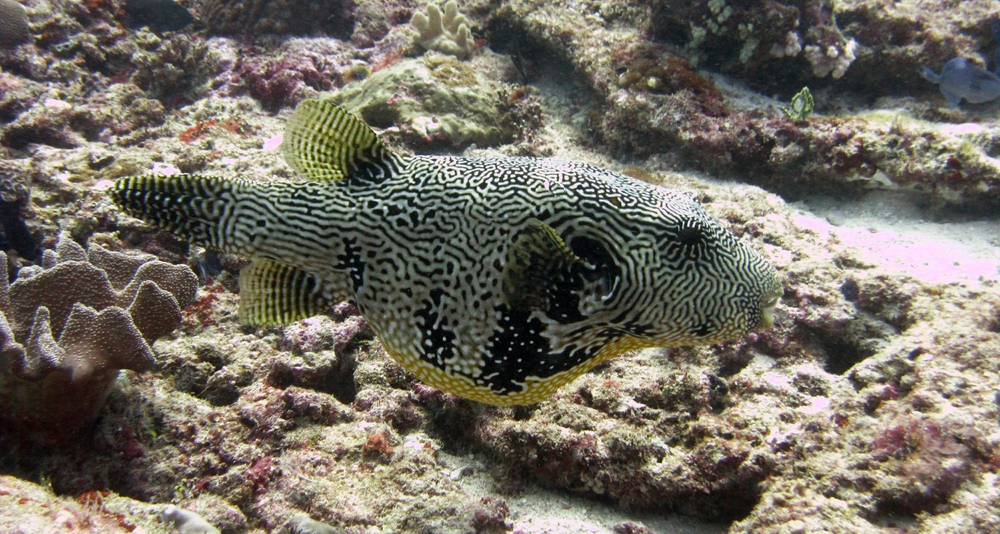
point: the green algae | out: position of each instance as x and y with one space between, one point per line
434 100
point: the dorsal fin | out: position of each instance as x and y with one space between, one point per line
324 141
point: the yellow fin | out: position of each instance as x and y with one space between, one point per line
324 141
538 259
273 293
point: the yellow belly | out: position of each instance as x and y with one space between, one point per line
535 389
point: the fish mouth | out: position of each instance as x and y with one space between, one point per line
767 312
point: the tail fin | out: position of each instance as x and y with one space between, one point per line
192 207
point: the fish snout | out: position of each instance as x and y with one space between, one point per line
768 303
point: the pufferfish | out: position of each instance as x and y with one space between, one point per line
495 279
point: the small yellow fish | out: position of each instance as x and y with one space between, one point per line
495 279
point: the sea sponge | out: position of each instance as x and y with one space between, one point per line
68 327
13 24
448 34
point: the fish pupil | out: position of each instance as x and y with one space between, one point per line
690 236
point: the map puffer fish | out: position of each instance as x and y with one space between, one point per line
495 279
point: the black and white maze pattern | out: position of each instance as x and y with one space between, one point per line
422 252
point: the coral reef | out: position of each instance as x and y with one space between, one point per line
737 37
781 45
281 82
30 507
446 32
172 69
159 15
871 405
68 328
283 74
849 155
238 17
13 24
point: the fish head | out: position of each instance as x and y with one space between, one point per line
685 279
981 86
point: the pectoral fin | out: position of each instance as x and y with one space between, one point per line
537 262
954 99
272 293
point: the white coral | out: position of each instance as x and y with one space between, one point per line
448 34
833 60
790 48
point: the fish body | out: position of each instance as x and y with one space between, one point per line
495 279
960 80
14 29
159 15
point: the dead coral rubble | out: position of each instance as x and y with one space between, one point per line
68 327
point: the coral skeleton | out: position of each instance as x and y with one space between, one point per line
67 328
448 33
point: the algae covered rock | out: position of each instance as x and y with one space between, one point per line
435 100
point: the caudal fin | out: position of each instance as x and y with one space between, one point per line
195 208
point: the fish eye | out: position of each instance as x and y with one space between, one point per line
690 236
604 266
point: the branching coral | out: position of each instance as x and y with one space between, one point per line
67 328
832 60
448 33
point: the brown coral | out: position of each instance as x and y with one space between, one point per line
69 327
237 17
13 24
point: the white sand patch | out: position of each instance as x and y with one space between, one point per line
886 229
536 510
